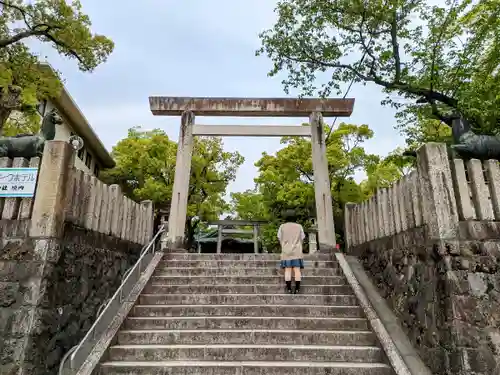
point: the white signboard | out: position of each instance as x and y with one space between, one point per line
18 182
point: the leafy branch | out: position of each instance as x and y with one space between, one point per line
61 24
441 57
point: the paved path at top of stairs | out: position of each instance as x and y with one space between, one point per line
228 314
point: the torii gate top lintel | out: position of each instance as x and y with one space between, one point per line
250 107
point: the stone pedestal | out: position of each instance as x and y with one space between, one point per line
164 235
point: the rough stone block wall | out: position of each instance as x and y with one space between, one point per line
46 307
445 293
17 297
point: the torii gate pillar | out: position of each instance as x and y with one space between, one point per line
322 190
178 207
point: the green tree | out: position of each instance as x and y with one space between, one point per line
22 123
23 80
249 205
145 166
285 180
383 172
443 59
425 129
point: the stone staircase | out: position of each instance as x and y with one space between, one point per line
228 314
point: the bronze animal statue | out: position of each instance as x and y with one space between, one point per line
473 146
31 145
469 145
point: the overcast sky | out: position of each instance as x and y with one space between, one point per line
193 48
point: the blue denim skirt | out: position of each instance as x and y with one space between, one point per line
298 263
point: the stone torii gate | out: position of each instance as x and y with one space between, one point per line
188 107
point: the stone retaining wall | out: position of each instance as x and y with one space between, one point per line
54 275
47 307
445 293
15 291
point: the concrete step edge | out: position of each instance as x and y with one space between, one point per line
160 266
249 276
242 317
201 331
244 264
270 270
249 306
280 277
243 261
241 294
241 285
319 290
220 283
248 346
304 364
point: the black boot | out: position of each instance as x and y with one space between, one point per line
288 286
297 287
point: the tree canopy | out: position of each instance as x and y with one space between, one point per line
62 25
145 166
382 172
442 60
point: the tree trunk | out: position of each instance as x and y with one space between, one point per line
190 232
10 100
4 116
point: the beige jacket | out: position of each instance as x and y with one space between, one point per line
291 236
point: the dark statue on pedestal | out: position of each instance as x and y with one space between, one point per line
469 145
31 145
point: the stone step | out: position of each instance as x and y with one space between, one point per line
193 256
244 368
217 280
257 271
255 337
315 353
248 310
238 280
246 322
244 289
241 263
247 299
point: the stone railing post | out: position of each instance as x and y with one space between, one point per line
349 225
148 230
439 205
311 237
47 219
164 235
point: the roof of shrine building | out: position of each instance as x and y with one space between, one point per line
80 125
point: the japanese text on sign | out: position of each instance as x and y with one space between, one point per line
18 182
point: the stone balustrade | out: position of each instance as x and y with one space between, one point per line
89 203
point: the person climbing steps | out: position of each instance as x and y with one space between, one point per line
291 235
